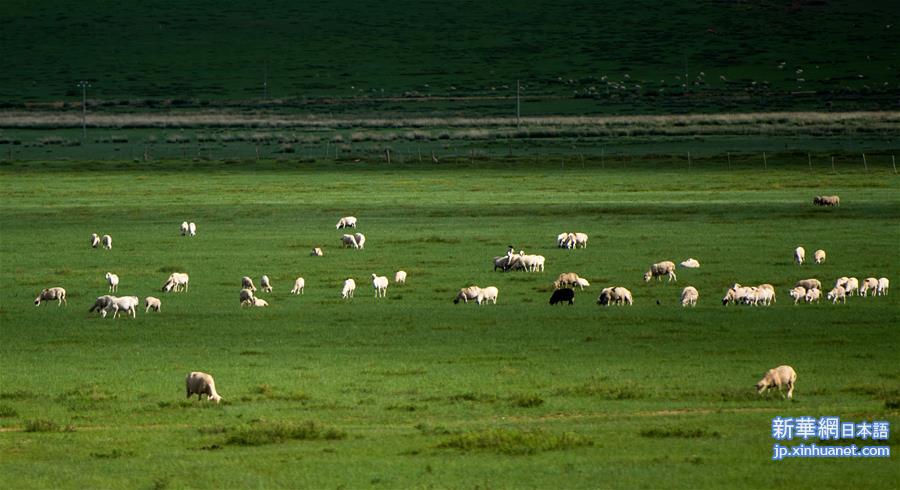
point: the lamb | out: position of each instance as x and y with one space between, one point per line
827 201
690 263
265 284
782 376
102 304
247 283
809 284
819 256
798 293
349 289
566 279
563 295
799 255
177 281
299 285
813 294
582 283
665 268
380 283
247 297
489 294
317 252
867 284
184 228
260 303
46 294
192 228
836 294
113 281
152 304
106 240
197 383
360 239
349 241
689 296
471 292
346 222
400 277
95 240
883 285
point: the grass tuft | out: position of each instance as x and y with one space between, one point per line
7 411
113 454
526 400
44 425
263 433
508 441
601 390
657 433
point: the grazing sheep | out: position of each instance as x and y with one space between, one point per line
247 283
665 268
819 256
883 285
827 201
317 252
192 228
738 294
762 295
798 293
247 297
566 279
852 286
346 222
489 293
615 295
813 295
197 383
360 240
836 294
867 284
690 263
299 285
107 242
47 294
563 295
841 281
177 281
128 304
349 289
502 263
380 283
102 304
349 241
184 228
561 239
95 240
809 284
260 303
570 241
152 304
782 376
581 240
400 277
465 294
582 283
689 296
265 284
799 255
113 281
531 263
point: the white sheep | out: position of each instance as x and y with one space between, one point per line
360 240
113 281
348 289
349 241
380 283
192 228
299 285
659 269
581 240
95 240
582 283
465 294
197 383
836 294
531 263
852 286
177 281
565 279
813 295
400 277
867 284
689 296
107 242
738 294
128 304
47 294
819 256
184 228
883 285
260 303
762 295
152 304
247 297
346 222
809 284
782 376
489 293
690 263
317 252
799 255
615 295
561 240
247 283
265 284
798 293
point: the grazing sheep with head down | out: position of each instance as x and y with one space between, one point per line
47 294
349 289
106 240
299 285
102 305
799 255
177 281
615 295
782 376
563 295
883 285
360 240
819 256
690 263
465 294
184 228
813 295
198 383
400 277
152 304
837 294
95 240
798 293
265 284
659 269
349 241
346 222
380 284
565 279
113 281
582 283
689 296
827 201
247 297
247 283
867 284
128 304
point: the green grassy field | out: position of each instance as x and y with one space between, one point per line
413 391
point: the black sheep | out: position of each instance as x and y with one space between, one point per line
561 295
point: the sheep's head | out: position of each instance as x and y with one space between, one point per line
214 398
647 276
761 386
37 301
